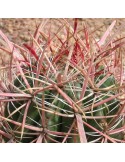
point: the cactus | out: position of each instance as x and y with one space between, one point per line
72 96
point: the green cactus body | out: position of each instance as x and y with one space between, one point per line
107 109
55 102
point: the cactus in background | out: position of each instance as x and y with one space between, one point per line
71 95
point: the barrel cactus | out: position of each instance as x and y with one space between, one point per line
71 96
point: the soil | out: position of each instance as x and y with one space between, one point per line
18 30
